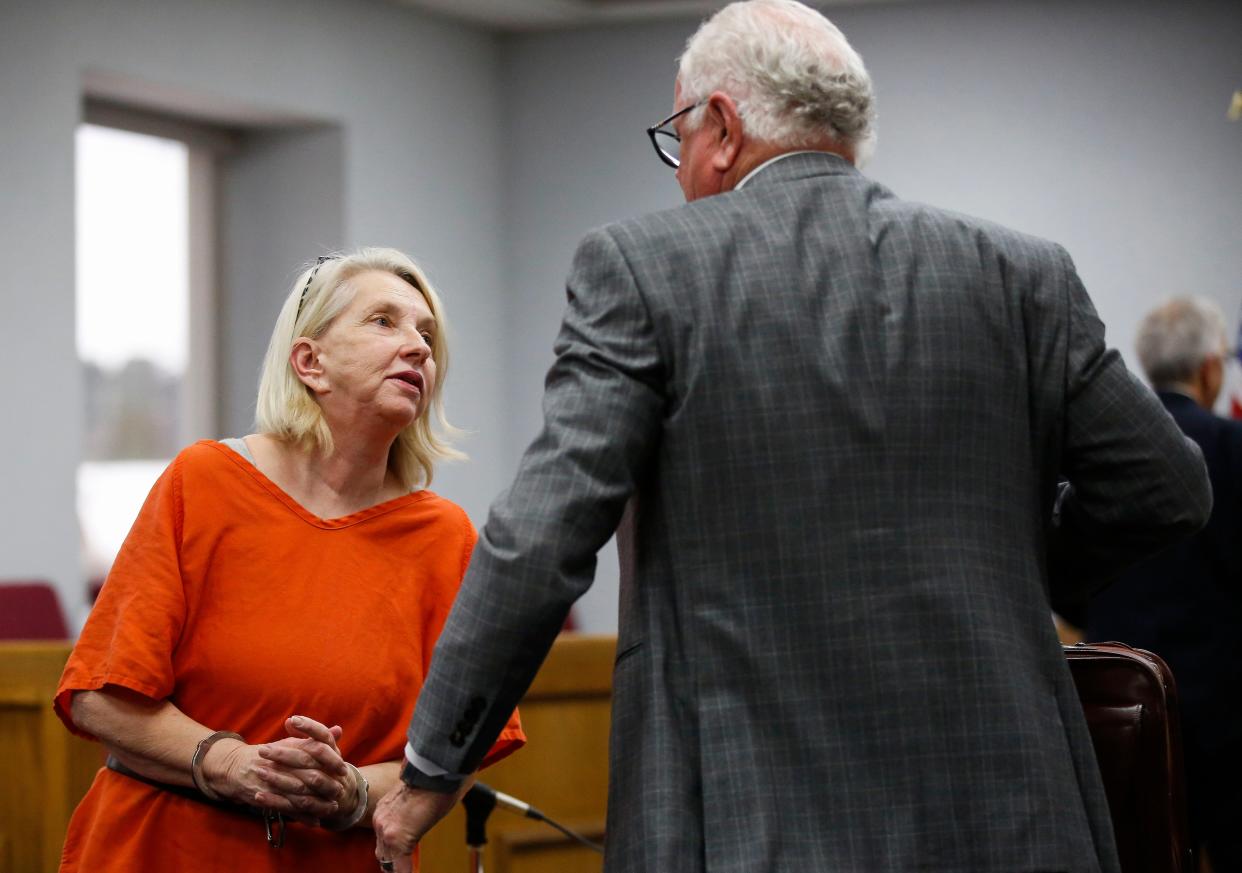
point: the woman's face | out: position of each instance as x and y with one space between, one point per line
375 357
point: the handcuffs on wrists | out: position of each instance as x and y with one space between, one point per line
360 806
273 821
200 752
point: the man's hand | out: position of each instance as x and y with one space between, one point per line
404 816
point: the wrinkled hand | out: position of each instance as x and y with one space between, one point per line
302 757
302 776
403 817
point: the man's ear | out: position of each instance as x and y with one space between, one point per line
304 358
726 121
1211 377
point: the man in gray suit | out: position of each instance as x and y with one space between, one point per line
843 420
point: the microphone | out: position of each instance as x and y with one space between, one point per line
485 797
506 802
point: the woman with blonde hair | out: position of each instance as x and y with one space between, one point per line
259 644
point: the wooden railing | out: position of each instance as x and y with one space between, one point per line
44 770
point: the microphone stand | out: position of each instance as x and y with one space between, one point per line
479 802
478 806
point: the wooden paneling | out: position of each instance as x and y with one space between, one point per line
542 851
44 770
563 771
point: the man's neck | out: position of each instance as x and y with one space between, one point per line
754 158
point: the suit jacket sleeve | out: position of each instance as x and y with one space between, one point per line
603 405
1135 484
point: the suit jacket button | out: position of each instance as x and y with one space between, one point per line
457 738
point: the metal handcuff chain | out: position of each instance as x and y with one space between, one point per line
275 835
273 821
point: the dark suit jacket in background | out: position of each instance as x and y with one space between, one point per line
843 417
1185 604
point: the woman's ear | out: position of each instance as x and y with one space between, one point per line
304 358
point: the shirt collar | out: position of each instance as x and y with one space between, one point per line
1177 392
770 161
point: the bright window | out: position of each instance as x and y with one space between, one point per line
133 306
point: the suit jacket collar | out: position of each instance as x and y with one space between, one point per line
800 165
1177 400
1184 410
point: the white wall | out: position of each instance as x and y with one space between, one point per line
417 102
281 201
1097 123
1100 125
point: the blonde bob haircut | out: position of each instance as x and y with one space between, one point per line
287 409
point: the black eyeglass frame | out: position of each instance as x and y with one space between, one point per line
656 130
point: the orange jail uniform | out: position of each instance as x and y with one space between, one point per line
242 608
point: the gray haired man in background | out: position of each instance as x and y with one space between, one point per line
842 420
1185 604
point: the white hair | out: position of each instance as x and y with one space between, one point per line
1177 337
286 407
793 73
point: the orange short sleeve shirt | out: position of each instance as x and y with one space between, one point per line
242 608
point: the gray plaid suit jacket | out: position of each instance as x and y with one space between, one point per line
844 418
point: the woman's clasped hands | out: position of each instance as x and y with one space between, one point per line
302 776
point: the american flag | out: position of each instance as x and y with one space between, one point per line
1233 376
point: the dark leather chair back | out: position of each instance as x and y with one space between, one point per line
1130 700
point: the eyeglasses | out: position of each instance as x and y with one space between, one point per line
311 278
667 143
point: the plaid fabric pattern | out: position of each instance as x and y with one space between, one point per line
838 421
